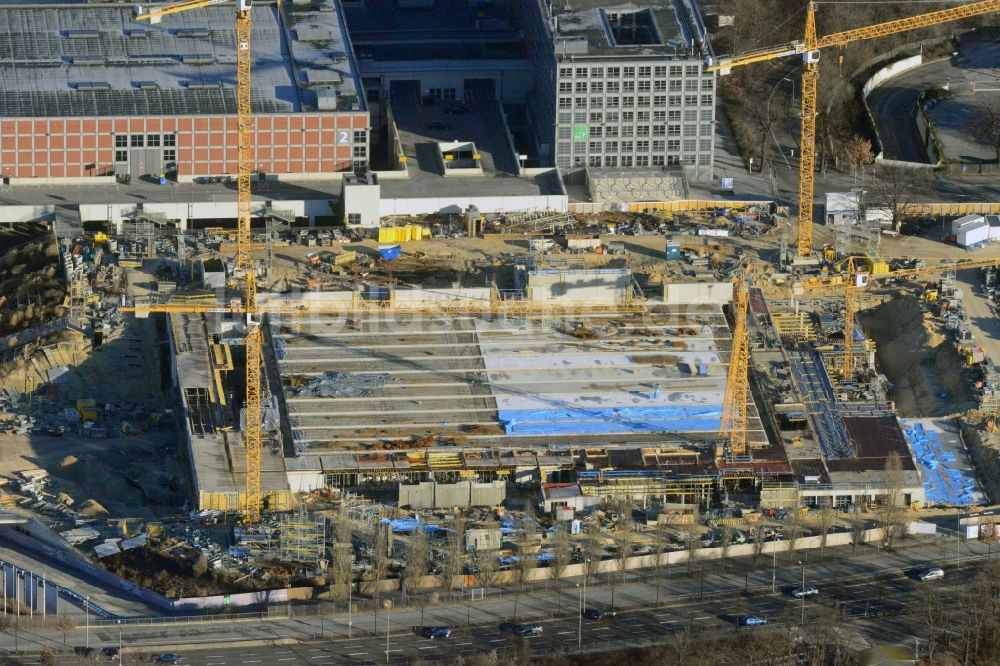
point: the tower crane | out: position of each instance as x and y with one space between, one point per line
858 281
734 406
244 260
809 48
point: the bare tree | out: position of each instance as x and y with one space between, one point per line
857 524
660 550
593 550
890 511
454 555
418 555
985 126
562 555
858 152
490 574
692 541
64 625
623 540
727 540
894 190
825 523
527 562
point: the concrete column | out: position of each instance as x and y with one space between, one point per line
312 221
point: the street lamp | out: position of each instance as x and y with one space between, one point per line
802 593
579 621
87 612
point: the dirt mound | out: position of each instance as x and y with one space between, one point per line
92 508
918 358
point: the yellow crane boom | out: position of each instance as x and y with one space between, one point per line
244 260
810 48
734 406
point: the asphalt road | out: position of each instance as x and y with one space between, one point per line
858 601
893 102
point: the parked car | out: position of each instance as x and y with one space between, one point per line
934 573
527 629
168 658
110 652
753 621
456 108
807 591
596 614
437 632
82 651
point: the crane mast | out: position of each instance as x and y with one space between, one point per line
245 266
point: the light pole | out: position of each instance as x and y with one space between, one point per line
802 593
350 606
774 567
579 621
388 607
87 613
586 571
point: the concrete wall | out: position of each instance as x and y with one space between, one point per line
433 495
499 204
718 293
598 287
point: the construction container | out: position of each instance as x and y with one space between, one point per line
673 251
388 252
410 232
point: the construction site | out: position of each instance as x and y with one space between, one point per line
231 399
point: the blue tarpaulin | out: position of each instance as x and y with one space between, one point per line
610 421
943 483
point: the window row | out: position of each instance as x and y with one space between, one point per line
145 140
615 102
629 71
613 161
689 116
690 85
642 146
597 131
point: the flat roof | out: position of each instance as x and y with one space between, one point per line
387 30
469 382
667 29
97 60
421 127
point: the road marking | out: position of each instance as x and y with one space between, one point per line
287 659
429 647
602 628
214 663
252 661
565 632
355 654
703 617
668 621
469 643
662 614
497 640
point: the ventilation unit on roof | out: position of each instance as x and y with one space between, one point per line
191 32
194 85
198 59
137 32
91 85
87 60
147 85
81 34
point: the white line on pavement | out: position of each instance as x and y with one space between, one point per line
565 632
429 647
287 659
355 654
469 643
497 640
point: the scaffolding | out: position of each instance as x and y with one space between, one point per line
302 538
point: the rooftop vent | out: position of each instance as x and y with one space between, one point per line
87 60
147 85
192 32
137 32
197 85
198 59
81 34
91 85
